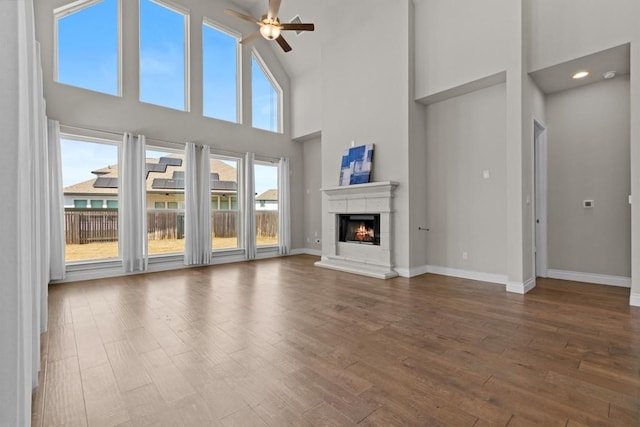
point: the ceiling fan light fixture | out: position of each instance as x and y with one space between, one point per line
270 31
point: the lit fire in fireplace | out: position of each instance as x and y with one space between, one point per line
364 234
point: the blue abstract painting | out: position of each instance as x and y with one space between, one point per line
356 165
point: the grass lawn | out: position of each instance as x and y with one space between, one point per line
102 250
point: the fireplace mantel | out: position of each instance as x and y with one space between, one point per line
370 189
371 198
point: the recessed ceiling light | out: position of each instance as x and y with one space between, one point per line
609 74
580 75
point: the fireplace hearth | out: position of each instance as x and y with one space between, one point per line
362 229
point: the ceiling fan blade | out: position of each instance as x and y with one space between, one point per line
274 8
298 27
283 44
241 16
250 38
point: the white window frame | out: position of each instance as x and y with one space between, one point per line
266 161
108 139
169 148
69 9
238 36
186 13
267 72
241 212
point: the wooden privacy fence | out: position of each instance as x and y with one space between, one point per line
87 225
266 223
84 225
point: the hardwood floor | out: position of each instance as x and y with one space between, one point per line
280 342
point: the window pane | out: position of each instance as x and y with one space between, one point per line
225 222
266 184
88 47
165 228
219 74
162 55
265 99
91 233
112 204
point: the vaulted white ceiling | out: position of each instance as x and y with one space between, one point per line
306 46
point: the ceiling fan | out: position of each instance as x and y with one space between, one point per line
270 26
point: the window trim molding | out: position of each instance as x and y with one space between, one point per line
267 72
70 9
239 71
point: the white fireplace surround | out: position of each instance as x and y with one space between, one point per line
367 260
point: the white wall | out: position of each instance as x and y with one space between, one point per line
10 375
312 197
78 107
306 102
466 136
366 99
588 152
560 31
459 41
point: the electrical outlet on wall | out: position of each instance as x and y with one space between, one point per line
465 256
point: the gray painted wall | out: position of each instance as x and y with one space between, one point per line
466 135
585 27
367 99
588 159
312 195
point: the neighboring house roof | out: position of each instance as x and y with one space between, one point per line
164 175
268 196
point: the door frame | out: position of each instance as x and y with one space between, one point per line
540 226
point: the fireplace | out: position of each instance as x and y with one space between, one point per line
357 229
360 229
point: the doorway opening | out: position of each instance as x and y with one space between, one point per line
540 198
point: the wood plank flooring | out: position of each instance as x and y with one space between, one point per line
280 342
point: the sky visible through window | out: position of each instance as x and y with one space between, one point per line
219 73
88 48
79 158
88 58
162 56
264 99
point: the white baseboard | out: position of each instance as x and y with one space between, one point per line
599 279
412 272
521 288
306 251
634 300
467 274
